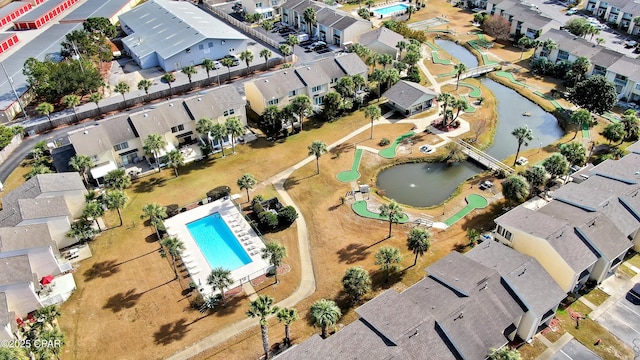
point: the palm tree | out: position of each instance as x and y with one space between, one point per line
44 108
219 132
95 98
392 211
203 126
317 149
247 182
524 43
82 164
287 316
168 78
410 10
504 353
310 18
115 200
418 242
301 106
285 49
515 189
579 118
556 165
228 63
71 101
372 112
266 54
53 336
261 308
459 69
523 134
153 144
174 247
401 46
356 283
325 313
219 279
145 84
292 41
234 128
48 314
82 230
156 213
122 88
247 57
388 258
175 159
208 65
93 210
117 179
575 153
189 70
274 252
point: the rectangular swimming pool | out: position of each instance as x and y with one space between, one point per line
393 9
218 243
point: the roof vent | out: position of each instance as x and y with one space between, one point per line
285 72
266 80
171 104
308 68
86 132
199 99
145 115
523 272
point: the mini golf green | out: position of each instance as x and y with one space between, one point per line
474 201
551 100
585 131
353 174
390 152
611 117
510 77
432 46
475 91
468 108
360 208
436 59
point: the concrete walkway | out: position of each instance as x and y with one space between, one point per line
552 348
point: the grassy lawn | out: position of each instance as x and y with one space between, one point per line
533 350
627 271
635 260
597 296
590 331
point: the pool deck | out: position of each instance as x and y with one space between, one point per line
197 264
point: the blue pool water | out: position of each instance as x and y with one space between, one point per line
391 9
218 243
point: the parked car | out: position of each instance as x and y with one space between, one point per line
236 60
216 64
572 11
635 290
321 47
630 43
314 45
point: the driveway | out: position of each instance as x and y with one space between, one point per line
574 350
623 320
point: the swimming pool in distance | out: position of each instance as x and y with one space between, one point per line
217 243
390 10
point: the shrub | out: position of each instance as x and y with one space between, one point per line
257 208
268 220
384 142
257 199
172 209
219 192
287 215
413 75
364 13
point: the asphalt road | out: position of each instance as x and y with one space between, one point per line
623 320
573 350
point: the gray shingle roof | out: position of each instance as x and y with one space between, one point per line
382 35
15 270
43 183
212 103
572 44
605 57
407 94
161 118
351 64
5 314
41 208
628 67
168 27
25 237
530 281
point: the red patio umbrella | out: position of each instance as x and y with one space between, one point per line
46 280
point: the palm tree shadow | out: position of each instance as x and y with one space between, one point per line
353 253
292 181
121 301
146 186
232 306
102 269
135 258
171 332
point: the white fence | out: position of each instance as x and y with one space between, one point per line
4 153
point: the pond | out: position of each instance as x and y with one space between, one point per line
431 184
459 52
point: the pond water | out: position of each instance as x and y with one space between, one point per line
459 52
431 184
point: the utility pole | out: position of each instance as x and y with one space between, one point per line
14 91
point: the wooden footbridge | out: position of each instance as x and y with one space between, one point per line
477 71
483 158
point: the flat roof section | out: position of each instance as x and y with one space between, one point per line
41 10
10 8
46 43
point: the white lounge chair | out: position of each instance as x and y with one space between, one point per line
188 260
255 253
194 271
192 266
186 254
249 248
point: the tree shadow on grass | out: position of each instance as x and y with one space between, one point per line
136 257
124 300
102 269
231 307
151 238
292 181
148 185
340 149
380 281
353 253
171 332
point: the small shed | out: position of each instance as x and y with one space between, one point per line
409 98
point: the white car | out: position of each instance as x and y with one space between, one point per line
216 64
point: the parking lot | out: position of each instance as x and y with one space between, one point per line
557 10
623 320
573 350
